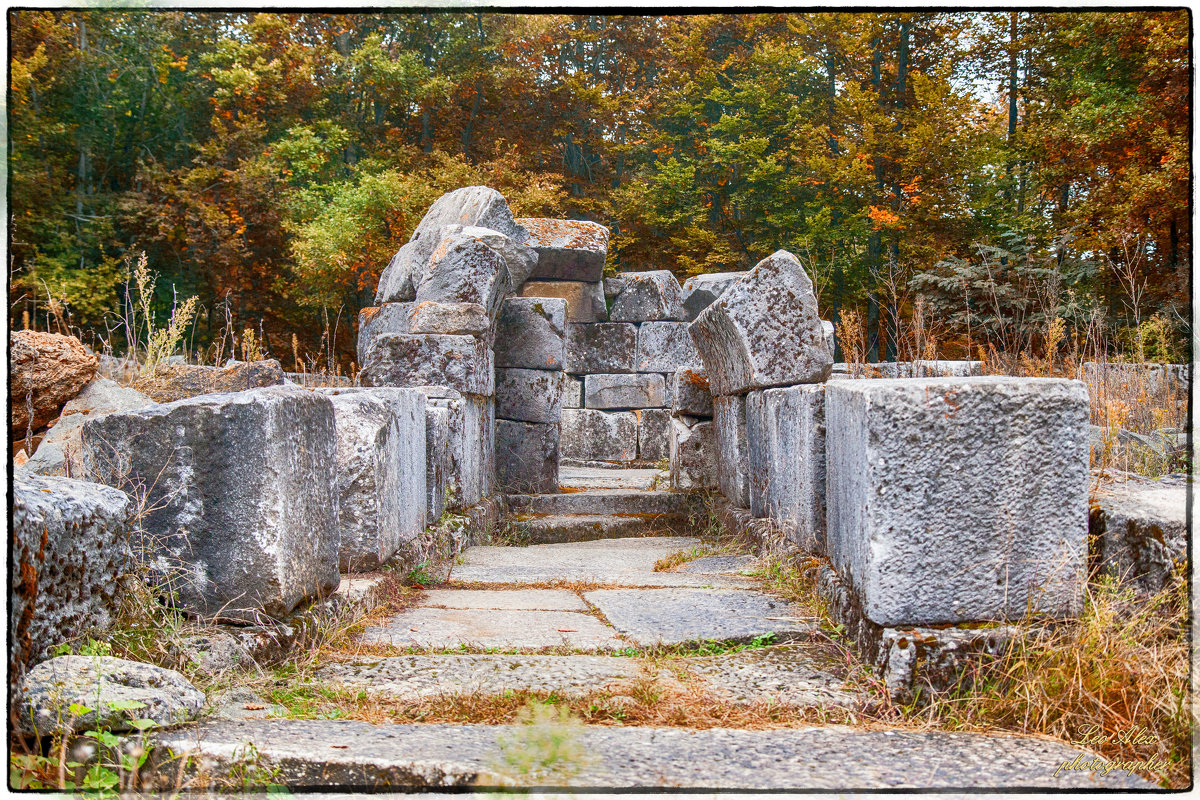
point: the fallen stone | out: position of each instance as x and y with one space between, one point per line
624 391
731 451
60 451
169 383
692 451
68 545
446 629
240 492
648 296
585 301
1140 531
568 249
665 347
584 477
452 318
45 371
690 394
462 363
591 435
764 331
529 395
527 456
654 434
701 291
380 321
601 348
105 686
944 509
464 269
531 333
572 395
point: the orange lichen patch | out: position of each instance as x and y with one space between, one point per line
368 313
565 233
571 489
697 379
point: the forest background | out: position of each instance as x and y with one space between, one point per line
963 178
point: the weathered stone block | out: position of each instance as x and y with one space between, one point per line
240 491
654 434
464 269
528 395
531 333
46 370
701 291
731 450
665 347
590 435
764 330
690 394
439 460
568 249
601 347
647 296
785 434
381 469
958 499
527 456
572 392
692 454
60 452
379 321
69 542
585 301
1139 530
462 363
454 318
171 382
624 391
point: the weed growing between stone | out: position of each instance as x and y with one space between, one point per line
546 748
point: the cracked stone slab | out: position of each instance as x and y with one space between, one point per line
505 599
449 628
349 754
797 675
674 616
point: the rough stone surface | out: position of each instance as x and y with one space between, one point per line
445 629
619 391
462 363
731 450
586 477
719 565
68 544
690 394
601 502
453 318
241 703
692 451
665 347
591 435
675 616
648 296
568 249
764 330
792 676
98 682
554 528
471 432
60 452
943 505
171 382
601 348
45 371
241 492
527 456
380 321
785 435
701 291
531 333
572 396
529 395
439 460
654 434
585 301
463 268
505 599
381 473
1140 531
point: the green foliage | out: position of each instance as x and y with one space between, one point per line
545 748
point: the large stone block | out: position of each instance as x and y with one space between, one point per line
240 492
568 249
464 269
690 394
785 434
380 321
701 291
731 449
69 544
648 296
45 370
590 435
439 460
665 347
601 347
654 433
958 499
621 391
454 318
527 456
692 455
572 392
471 422
381 469
462 363
171 382
528 395
60 452
531 333
1139 530
585 301
764 330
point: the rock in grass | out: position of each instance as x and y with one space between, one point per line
45 371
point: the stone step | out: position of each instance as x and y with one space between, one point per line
350 755
603 501
559 528
610 478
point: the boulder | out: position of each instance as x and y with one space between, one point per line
585 301
454 318
60 452
527 456
572 392
1139 530
648 296
590 435
45 370
381 471
240 495
601 347
731 450
654 433
624 391
106 686
462 363
665 347
764 331
692 456
169 383
701 291
944 508
380 321
528 395
568 249
464 269
531 333
69 545
689 393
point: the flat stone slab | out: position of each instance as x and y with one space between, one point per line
347 754
556 528
789 675
719 565
598 478
601 501
675 616
505 600
449 628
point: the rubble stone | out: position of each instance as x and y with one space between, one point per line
665 347
701 291
692 454
689 393
654 433
731 452
453 318
60 452
462 363
527 456
585 301
380 321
